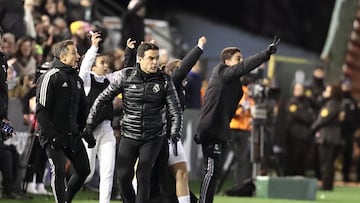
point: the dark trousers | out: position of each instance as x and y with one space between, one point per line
327 157
213 160
163 183
36 163
347 154
9 161
296 157
76 153
146 152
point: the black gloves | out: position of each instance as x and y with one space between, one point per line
174 140
89 137
273 46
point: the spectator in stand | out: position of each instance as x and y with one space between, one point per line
28 18
119 57
79 31
80 10
164 57
53 9
12 17
9 45
95 73
24 64
133 25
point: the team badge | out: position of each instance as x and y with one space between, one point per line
78 85
308 93
156 88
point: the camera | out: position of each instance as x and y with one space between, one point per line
261 92
6 131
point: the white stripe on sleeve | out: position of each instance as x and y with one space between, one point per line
44 85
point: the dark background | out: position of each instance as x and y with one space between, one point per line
300 22
303 23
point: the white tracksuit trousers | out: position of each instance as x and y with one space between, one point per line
104 150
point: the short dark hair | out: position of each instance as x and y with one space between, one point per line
228 52
144 47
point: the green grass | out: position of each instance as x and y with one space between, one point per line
341 194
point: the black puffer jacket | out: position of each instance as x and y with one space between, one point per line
145 98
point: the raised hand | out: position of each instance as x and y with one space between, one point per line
272 48
130 44
201 42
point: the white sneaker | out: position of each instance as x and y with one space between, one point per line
41 189
31 188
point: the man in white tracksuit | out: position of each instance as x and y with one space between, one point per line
95 72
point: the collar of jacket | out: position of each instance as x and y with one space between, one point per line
147 76
60 65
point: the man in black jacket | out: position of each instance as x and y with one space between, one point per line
147 94
9 157
61 112
219 107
